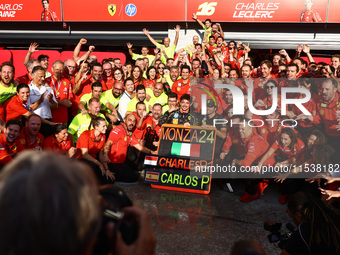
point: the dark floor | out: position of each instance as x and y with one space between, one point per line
187 224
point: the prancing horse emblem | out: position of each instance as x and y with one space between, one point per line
112 9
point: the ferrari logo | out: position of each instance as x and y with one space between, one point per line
112 9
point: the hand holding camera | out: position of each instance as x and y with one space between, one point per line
125 228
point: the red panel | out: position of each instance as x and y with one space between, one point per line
26 10
18 62
149 10
5 55
319 59
19 56
253 10
334 11
124 10
100 55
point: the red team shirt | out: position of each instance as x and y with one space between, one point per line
137 82
285 152
48 15
240 83
148 83
24 79
86 87
2 112
24 139
74 107
138 131
259 92
88 140
149 122
181 88
310 16
252 147
328 113
62 90
15 108
109 82
268 102
52 144
270 132
121 140
233 137
310 106
7 150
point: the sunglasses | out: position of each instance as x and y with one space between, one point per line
161 67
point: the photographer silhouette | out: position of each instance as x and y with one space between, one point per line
49 204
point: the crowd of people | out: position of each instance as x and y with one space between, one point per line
109 115
122 104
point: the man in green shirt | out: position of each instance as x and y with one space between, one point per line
81 122
170 79
140 97
157 95
207 23
145 51
190 47
7 88
110 100
97 89
167 50
210 28
172 104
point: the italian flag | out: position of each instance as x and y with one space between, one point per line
185 149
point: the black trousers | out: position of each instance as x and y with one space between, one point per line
124 172
135 158
98 172
46 130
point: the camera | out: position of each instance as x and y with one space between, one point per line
114 200
275 234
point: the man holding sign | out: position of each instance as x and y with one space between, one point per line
182 116
116 150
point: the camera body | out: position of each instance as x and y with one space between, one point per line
125 223
276 235
114 200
